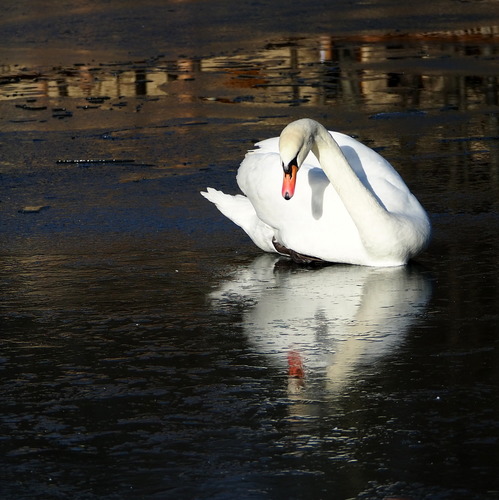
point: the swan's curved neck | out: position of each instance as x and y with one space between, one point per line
374 223
356 197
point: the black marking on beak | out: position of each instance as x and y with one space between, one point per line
289 180
288 168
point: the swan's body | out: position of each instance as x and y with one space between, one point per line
350 205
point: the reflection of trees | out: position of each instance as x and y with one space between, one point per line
372 71
408 72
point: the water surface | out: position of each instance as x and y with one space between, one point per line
149 350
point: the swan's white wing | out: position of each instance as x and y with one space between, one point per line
379 176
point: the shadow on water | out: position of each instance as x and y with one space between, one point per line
149 351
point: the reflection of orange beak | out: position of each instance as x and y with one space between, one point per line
295 365
289 182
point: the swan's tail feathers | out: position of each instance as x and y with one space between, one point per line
240 211
233 207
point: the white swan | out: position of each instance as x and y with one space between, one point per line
349 205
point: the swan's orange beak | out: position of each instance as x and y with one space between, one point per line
289 182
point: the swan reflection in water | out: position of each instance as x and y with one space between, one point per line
324 324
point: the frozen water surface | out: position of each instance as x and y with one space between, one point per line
149 350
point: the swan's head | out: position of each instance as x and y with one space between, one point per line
295 143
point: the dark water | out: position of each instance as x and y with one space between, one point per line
146 344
